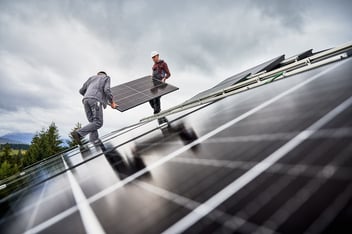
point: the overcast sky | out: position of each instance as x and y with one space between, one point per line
49 48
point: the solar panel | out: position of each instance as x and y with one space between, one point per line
305 54
266 66
275 159
298 57
139 91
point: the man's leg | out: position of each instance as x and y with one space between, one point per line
94 136
157 105
88 110
79 134
94 112
151 102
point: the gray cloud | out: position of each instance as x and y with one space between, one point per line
200 31
289 13
48 48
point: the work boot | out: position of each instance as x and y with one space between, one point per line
78 138
156 111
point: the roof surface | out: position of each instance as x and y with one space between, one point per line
273 159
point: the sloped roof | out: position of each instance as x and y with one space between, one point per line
274 158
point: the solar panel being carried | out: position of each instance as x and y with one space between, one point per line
136 92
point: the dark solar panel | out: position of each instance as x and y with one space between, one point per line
266 66
305 54
275 159
136 92
297 57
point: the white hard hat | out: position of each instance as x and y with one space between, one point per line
154 53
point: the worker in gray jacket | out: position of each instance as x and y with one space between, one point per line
96 96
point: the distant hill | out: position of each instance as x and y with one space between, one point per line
8 141
17 138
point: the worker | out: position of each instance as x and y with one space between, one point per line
160 72
96 96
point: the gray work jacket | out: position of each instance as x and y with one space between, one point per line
98 87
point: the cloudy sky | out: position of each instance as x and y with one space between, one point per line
49 48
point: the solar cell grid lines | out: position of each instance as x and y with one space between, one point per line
139 91
275 159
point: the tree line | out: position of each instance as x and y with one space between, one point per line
15 146
44 144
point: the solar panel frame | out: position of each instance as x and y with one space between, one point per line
139 91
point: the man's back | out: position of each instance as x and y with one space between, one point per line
97 87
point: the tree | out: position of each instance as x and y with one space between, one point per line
72 142
43 145
8 166
52 140
17 158
5 170
36 150
5 153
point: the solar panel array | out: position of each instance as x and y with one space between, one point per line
139 91
266 66
276 159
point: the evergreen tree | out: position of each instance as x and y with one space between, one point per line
7 164
28 158
5 170
36 149
43 145
5 153
52 140
18 158
72 142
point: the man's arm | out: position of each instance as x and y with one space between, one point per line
83 90
108 93
167 72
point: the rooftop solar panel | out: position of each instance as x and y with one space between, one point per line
305 54
297 57
139 91
276 159
266 66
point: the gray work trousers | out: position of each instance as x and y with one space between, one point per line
94 113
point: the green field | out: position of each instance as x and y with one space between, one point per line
14 152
